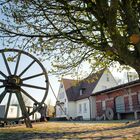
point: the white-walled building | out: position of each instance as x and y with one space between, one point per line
74 98
14 112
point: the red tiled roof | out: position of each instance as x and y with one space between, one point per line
70 88
68 83
73 87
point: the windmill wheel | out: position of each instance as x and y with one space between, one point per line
23 84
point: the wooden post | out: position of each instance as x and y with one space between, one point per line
24 110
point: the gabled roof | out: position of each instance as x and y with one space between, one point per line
73 87
70 88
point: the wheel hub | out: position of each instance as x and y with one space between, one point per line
12 83
15 86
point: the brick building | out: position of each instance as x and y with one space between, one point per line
120 102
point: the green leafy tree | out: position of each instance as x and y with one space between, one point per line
70 32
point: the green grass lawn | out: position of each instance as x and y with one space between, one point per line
73 130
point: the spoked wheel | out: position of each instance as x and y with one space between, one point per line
23 84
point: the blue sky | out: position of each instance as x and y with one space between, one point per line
54 80
34 69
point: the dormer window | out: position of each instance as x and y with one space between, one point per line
82 91
107 77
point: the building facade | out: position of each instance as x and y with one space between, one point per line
74 97
122 102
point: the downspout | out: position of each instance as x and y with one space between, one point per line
89 108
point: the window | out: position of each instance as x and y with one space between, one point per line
104 87
80 108
107 77
61 95
11 110
65 109
81 91
103 105
85 107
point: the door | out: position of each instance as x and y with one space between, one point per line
119 102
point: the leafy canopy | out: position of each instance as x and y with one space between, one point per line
70 32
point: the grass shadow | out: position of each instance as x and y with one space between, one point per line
67 135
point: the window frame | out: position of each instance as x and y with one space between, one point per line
103 105
80 108
107 77
85 107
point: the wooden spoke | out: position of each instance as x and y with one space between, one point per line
1 73
24 110
8 104
34 76
20 78
24 92
32 86
18 59
2 96
27 68
6 64
2 86
2 80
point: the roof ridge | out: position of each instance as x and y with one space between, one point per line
72 90
68 79
98 73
